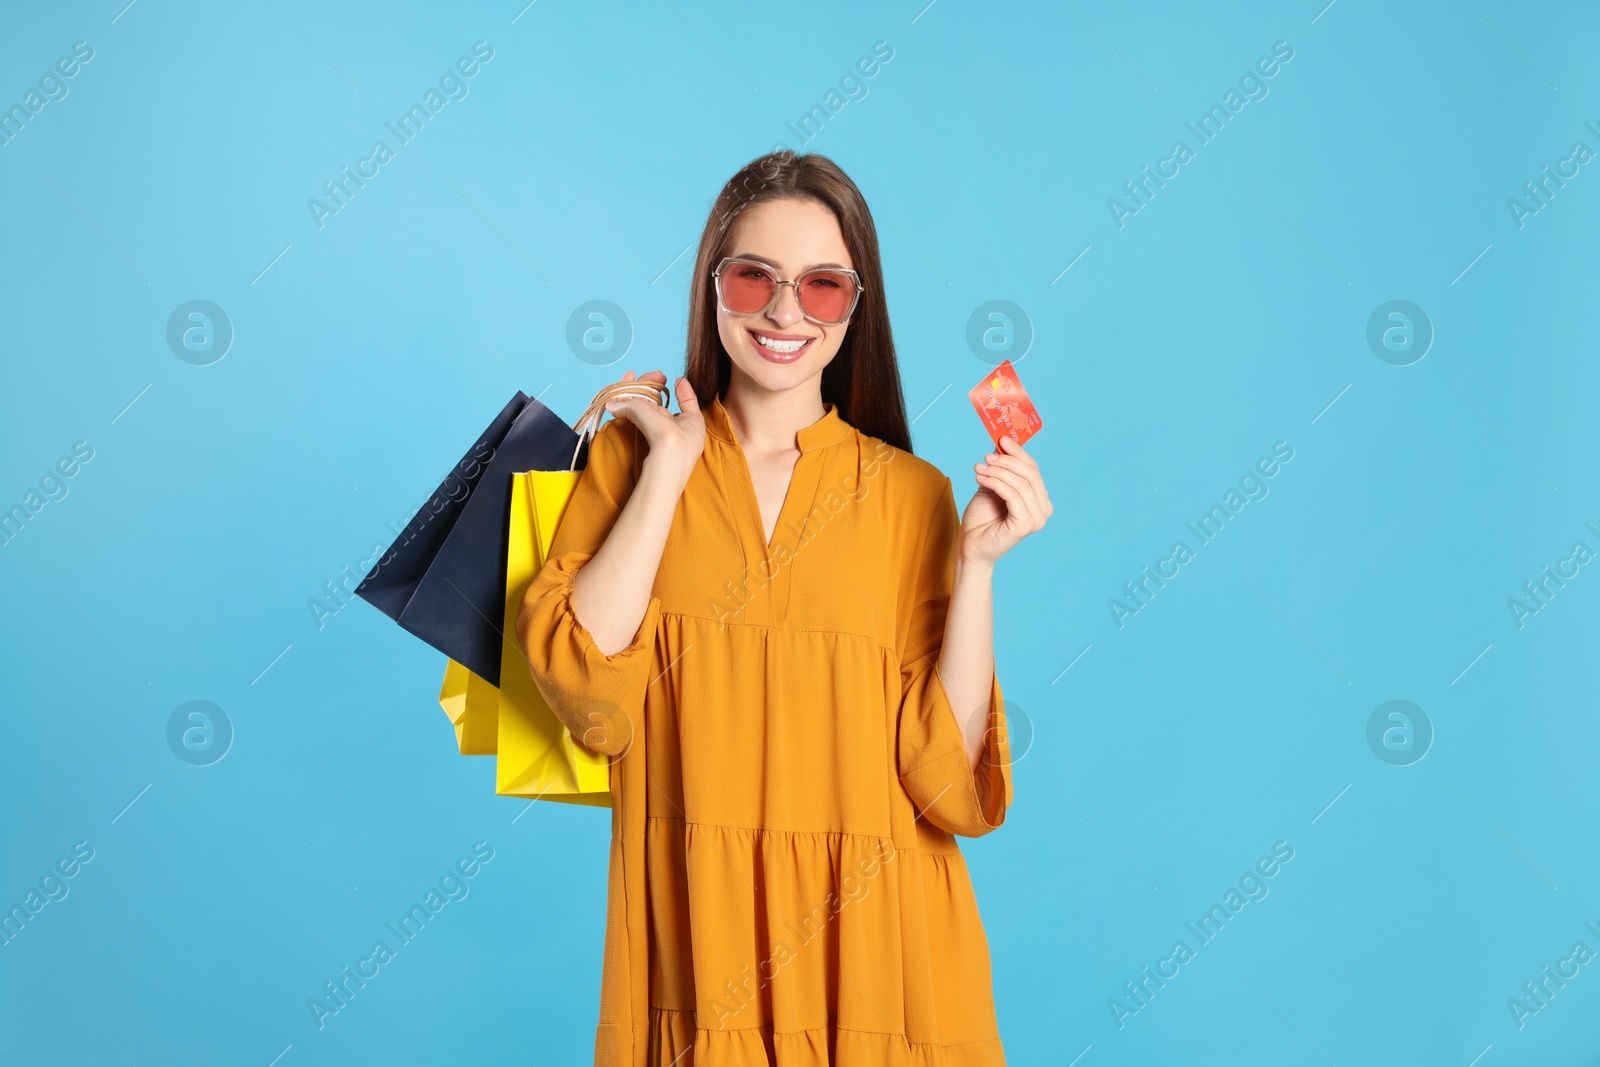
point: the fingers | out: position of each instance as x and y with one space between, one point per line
614 404
642 413
1007 492
1012 447
1029 473
619 408
688 403
1010 470
617 405
1022 505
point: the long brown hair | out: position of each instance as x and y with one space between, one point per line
863 380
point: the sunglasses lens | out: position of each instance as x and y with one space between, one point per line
827 295
746 288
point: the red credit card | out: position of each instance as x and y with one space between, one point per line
1004 407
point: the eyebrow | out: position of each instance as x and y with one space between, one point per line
775 265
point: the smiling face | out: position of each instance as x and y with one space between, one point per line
780 348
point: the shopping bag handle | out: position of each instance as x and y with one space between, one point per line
588 423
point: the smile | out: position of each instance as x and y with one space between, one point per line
779 347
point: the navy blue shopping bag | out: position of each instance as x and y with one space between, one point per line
444 577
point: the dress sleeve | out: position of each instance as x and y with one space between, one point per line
599 698
933 763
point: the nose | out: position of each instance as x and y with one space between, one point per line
786 311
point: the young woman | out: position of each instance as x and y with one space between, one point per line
767 611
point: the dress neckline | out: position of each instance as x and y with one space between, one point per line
828 430
769 561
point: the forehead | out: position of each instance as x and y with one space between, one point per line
793 234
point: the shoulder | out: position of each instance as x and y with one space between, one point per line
912 487
920 519
617 439
616 454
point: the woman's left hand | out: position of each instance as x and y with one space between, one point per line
1011 503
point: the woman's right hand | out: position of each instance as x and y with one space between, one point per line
676 441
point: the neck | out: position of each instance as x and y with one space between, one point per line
765 421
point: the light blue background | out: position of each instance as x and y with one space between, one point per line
1224 317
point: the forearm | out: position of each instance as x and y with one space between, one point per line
612 591
966 659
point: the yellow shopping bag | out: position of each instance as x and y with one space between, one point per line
536 755
474 708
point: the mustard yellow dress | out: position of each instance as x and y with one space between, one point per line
787 771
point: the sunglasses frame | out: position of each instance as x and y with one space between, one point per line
777 289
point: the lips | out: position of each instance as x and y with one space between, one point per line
784 341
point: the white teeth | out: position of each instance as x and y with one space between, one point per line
780 346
